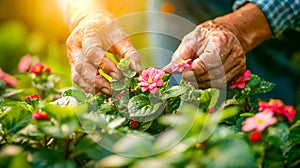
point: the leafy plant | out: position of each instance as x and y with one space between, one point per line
148 124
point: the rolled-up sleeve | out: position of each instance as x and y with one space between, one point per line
281 14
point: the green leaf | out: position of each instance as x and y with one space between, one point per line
124 66
50 158
13 156
278 134
229 153
15 116
114 161
114 57
78 94
119 85
105 75
144 108
60 129
66 107
258 86
295 125
209 97
106 122
173 91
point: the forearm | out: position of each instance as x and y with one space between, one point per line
249 24
77 10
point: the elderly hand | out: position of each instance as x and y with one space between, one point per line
86 48
218 46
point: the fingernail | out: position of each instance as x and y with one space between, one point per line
138 67
114 75
105 91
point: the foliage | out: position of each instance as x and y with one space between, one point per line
177 126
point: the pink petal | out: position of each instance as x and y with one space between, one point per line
241 85
160 83
153 90
144 89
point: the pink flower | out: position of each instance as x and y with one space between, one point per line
259 122
179 65
37 68
241 81
289 113
8 79
151 79
24 63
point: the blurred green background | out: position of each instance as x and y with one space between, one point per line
32 27
36 27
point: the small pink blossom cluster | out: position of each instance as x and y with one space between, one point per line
36 68
151 79
180 64
265 117
40 115
241 81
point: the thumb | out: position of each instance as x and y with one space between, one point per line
126 49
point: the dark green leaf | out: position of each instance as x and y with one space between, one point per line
144 108
278 134
173 91
258 85
15 116
60 129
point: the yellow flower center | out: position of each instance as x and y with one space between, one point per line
180 61
37 68
260 121
150 80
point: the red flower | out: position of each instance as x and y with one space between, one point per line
34 97
255 136
241 81
24 63
289 112
8 79
211 110
278 107
48 70
40 115
37 68
180 64
274 104
151 79
134 124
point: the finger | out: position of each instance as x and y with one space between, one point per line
102 85
126 49
220 82
84 85
109 67
92 50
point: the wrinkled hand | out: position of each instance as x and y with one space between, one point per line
218 46
86 48
218 55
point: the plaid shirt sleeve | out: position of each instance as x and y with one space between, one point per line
281 14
